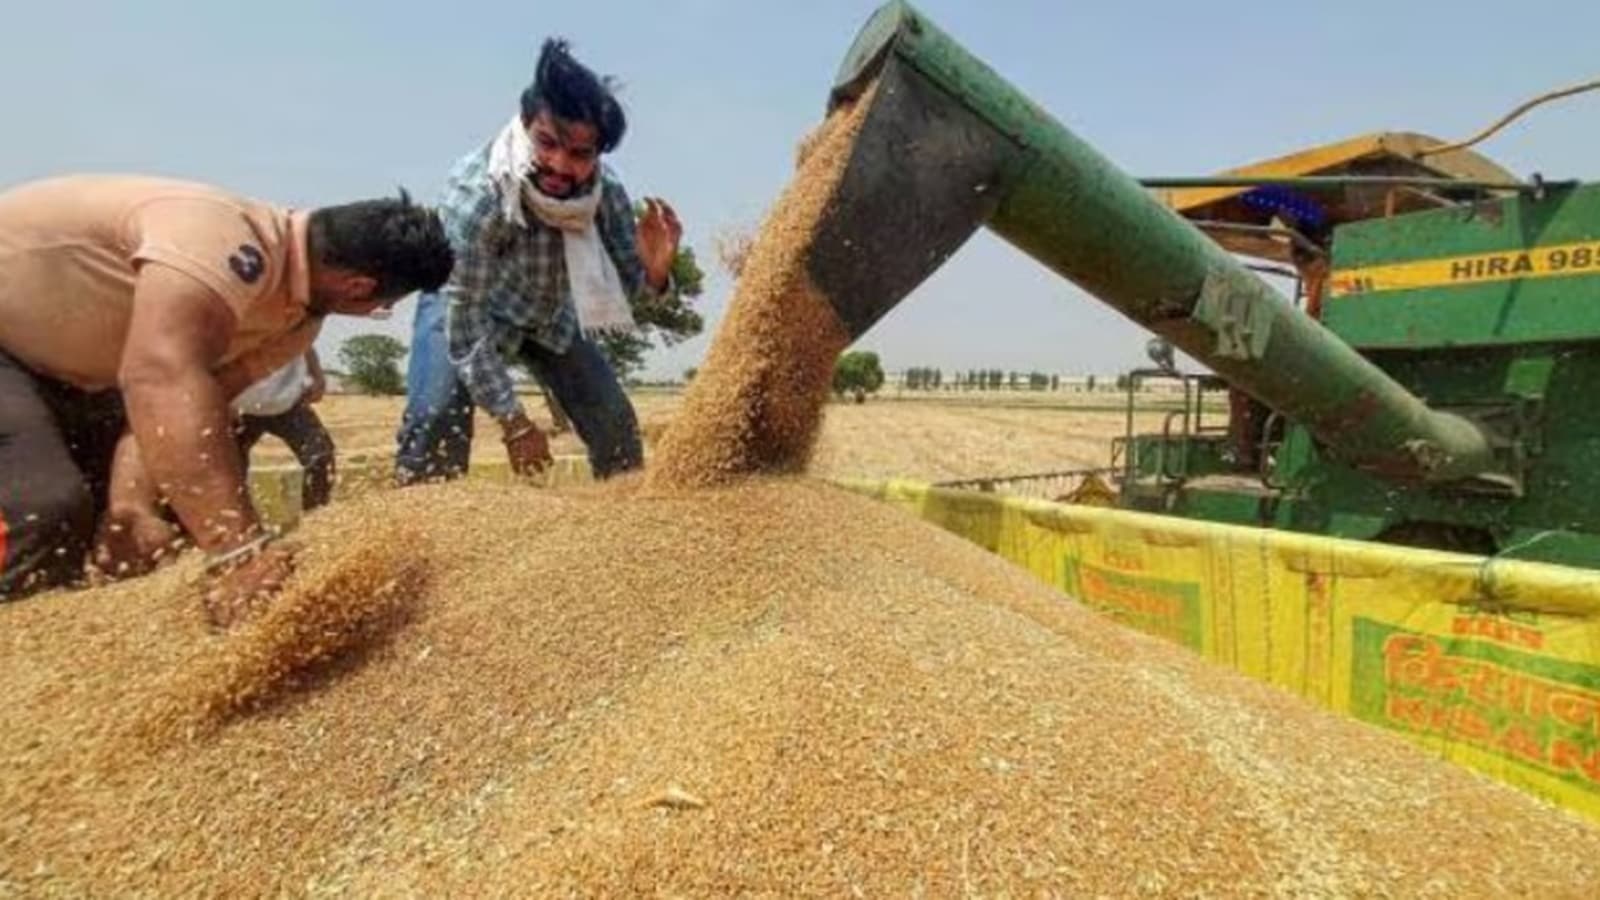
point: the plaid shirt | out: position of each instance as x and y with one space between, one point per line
510 282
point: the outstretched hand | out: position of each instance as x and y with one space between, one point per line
657 237
133 542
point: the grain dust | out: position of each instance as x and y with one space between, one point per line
334 609
756 404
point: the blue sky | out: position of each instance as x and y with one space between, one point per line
314 102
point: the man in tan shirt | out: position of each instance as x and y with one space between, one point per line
131 311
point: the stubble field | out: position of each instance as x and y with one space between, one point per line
935 437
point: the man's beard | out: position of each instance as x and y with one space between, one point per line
537 173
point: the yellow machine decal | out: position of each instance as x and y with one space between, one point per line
1495 666
1555 261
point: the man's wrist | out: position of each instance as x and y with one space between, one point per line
659 282
229 530
218 562
515 425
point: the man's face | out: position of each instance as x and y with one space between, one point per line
565 155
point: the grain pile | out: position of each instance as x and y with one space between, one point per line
780 689
756 404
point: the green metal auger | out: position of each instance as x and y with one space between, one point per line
948 146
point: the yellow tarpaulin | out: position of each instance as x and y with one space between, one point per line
1492 664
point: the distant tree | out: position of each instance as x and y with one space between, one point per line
372 363
1090 385
1055 383
857 373
690 373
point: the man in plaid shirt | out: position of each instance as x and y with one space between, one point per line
548 253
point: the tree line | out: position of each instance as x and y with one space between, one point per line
860 373
923 378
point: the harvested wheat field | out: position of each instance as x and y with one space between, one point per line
917 438
933 441
774 688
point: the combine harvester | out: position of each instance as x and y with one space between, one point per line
1399 521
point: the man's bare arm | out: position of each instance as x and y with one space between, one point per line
178 410
132 537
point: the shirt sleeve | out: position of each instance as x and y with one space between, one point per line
469 326
214 242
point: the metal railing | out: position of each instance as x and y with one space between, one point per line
1051 485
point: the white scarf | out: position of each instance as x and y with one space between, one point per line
596 287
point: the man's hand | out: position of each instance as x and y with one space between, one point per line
235 593
133 536
657 237
133 541
526 445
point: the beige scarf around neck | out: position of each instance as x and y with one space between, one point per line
602 304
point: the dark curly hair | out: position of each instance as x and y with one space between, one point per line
569 90
398 243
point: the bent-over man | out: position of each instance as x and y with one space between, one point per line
132 310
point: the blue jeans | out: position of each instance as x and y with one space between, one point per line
435 439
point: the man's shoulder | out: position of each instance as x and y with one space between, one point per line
470 199
238 247
614 197
91 196
123 184
471 170
611 182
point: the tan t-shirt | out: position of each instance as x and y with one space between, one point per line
70 250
